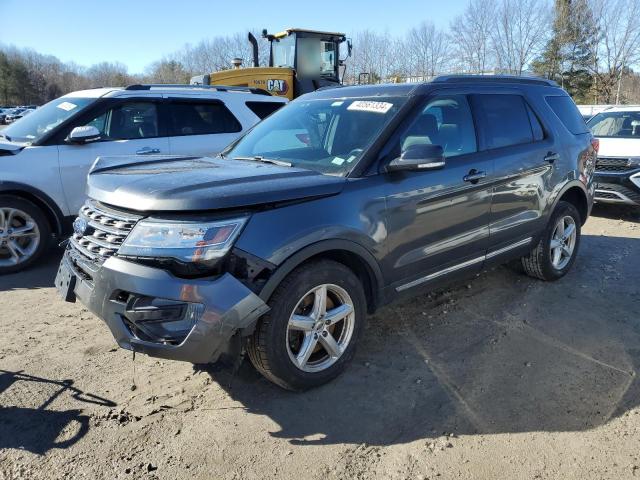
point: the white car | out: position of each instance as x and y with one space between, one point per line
617 172
45 156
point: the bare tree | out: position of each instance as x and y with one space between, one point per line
618 47
520 32
167 71
370 56
109 74
214 54
471 35
427 50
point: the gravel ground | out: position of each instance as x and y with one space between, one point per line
500 377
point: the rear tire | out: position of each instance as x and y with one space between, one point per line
557 249
309 336
24 234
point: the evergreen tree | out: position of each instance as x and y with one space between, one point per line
570 53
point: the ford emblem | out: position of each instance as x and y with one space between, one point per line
79 226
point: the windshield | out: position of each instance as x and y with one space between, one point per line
616 124
33 127
327 135
283 51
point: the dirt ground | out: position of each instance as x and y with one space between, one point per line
500 377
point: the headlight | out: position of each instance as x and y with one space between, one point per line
184 241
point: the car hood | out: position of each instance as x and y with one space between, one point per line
162 183
619 147
10 148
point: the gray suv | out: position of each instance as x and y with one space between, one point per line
339 203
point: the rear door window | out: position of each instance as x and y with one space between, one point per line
568 113
504 119
201 118
263 109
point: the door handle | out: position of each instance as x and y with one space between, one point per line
147 151
474 175
551 157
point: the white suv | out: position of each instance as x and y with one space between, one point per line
617 172
45 156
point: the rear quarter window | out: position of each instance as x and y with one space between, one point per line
264 109
568 113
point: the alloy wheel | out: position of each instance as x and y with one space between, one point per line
320 328
563 242
19 236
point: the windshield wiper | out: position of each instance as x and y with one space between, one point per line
5 136
272 161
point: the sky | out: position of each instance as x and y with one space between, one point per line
139 32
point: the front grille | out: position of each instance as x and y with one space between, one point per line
105 230
606 164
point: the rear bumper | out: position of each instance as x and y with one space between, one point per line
225 306
621 187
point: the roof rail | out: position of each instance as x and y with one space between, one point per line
219 88
494 79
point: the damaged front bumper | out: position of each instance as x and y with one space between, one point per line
150 311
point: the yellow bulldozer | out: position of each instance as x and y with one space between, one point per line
300 61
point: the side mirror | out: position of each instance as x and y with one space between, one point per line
418 157
86 134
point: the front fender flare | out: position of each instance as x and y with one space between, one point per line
318 248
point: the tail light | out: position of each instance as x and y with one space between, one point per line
595 143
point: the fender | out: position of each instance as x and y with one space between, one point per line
325 246
54 213
563 190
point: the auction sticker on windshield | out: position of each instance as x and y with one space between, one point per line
370 106
67 106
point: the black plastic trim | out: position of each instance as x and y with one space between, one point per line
318 248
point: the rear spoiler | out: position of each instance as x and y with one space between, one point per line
113 162
9 148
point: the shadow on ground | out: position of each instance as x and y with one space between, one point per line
504 353
617 212
41 275
26 422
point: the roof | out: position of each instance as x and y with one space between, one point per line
289 31
373 90
200 90
399 89
92 93
522 79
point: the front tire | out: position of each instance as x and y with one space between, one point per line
310 334
558 247
24 234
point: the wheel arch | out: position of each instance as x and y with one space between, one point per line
352 255
49 208
576 194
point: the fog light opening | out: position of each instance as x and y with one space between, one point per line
161 320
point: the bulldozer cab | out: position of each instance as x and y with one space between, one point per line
300 61
311 53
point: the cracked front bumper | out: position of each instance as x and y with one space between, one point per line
225 306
